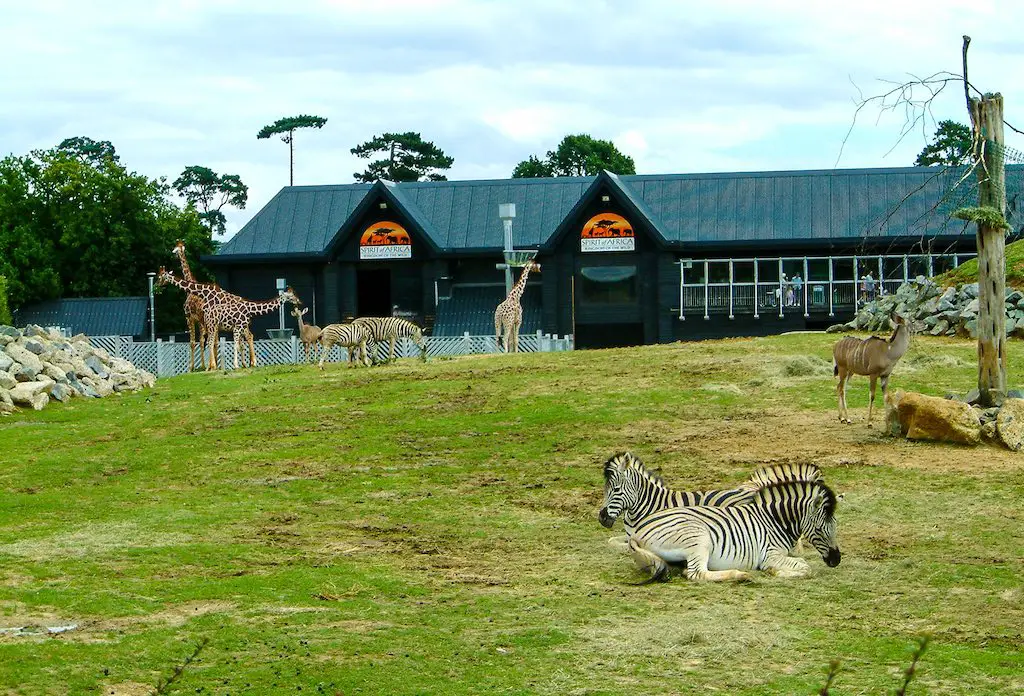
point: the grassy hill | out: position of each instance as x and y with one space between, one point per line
967 272
431 528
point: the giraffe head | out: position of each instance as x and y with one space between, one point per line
179 249
163 277
290 296
532 265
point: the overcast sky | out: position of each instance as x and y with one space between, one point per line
679 86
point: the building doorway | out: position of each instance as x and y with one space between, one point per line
373 292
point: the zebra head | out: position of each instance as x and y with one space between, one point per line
623 480
417 337
819 526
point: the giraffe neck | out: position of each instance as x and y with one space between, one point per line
186 272
520 287
254 309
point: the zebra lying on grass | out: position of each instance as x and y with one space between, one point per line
380 329
643 492
720 543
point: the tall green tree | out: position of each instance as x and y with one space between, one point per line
89 151
286 127
951 146
408 158
74 227
209 192
577 155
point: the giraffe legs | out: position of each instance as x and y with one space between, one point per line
252 348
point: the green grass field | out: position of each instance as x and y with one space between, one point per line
431 528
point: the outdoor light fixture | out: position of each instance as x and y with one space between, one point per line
507 213
152 313
383 205
605 198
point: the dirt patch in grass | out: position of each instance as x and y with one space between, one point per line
92 540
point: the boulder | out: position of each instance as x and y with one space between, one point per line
6 404
35 346
80 368
1010 424
34 394
56 374
96 365
7 380
920 417
941 327
23 374
9 331
25 357
5 361
837 328
61 392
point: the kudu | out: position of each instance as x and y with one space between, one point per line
873 357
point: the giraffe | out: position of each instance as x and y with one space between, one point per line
508 317
215 297
193 312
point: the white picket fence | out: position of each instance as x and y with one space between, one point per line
169 358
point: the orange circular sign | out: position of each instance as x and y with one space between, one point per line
385 233
605 225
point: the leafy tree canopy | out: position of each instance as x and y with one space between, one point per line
577 155
87 228
951 146
408 158
209 192
89 151
287 125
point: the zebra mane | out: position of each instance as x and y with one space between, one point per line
767 493
623 461
781 473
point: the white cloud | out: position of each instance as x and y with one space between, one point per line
680 87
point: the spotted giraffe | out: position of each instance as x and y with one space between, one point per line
193 312
508 317
223 310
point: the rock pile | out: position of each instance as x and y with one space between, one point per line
934 309
37 365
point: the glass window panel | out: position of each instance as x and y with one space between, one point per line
608 284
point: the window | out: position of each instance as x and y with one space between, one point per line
608 284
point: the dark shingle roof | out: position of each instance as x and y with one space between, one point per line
93 316
682 208
471 308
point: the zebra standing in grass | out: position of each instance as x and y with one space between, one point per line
638 492
380 329
720 543
352 337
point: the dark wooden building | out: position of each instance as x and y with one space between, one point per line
625 259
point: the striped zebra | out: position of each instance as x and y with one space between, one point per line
382 329
350 336
721 543
633 492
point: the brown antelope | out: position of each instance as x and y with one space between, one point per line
309 334
874 357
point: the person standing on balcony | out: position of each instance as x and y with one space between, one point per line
798 287
870 287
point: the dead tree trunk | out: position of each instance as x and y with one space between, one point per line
987 121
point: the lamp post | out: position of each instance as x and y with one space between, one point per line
507 213
152 312
281 285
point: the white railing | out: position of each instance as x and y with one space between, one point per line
821 294
169 358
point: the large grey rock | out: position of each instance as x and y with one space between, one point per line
61 392
7 380
23 373
1013 296
81 369
25 357
35 346
24 392
5 360
56 374
970 290
96 365
941 327
9 331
